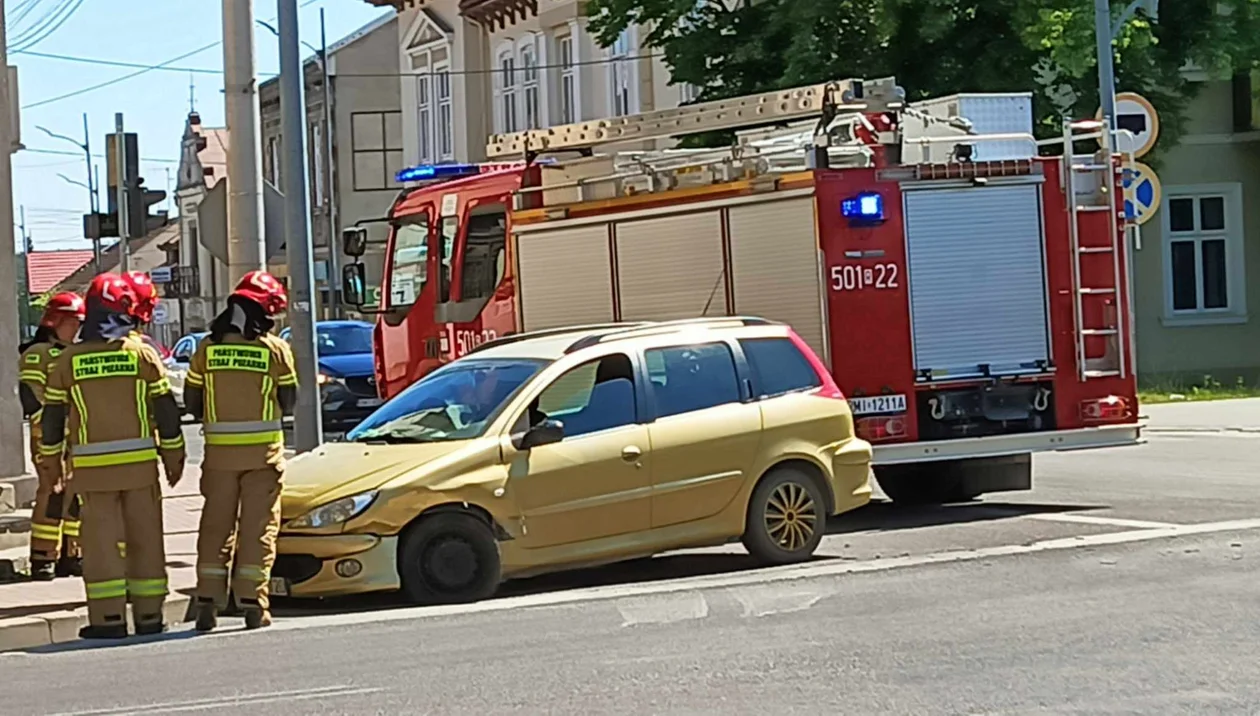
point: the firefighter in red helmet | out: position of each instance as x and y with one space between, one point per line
241 381
104 397
55 520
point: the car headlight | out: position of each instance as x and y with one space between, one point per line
325 379
336 512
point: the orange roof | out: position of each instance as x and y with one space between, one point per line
46 269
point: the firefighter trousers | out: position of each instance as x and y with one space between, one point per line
124 558
55 521
239 524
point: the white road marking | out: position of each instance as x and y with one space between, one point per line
663 610
770 575
228 702
764 600
1096 520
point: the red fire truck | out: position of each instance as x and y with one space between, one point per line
973 306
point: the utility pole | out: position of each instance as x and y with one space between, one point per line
308 430
124 218
1106 67
12 444
94 197
246 244
330 193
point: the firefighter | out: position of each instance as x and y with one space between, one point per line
103 398
55 520
240 382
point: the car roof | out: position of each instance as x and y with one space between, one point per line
555 343
342 324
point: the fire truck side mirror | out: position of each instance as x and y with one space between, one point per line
353 285
354 241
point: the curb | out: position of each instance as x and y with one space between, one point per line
59 627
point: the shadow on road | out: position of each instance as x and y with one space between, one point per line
884 516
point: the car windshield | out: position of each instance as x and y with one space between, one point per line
455 402
344 340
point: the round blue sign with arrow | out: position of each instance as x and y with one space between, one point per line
1142 193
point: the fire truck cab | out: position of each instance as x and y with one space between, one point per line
971 297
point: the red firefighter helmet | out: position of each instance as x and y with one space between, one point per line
146 294
113 293
63 305
265 290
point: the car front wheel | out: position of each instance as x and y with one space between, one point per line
786 518
449 558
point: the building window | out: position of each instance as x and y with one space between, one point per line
445 129
1203 255
688 93
376 147
425 116
567 87
317 165
505 92
621 75
273 160
530 93
433 115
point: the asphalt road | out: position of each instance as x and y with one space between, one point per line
1077 597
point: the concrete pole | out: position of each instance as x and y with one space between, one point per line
330 168
12 444
247 250
308 430
1106 64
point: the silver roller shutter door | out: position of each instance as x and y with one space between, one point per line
977 280
671 268
774 264
565 277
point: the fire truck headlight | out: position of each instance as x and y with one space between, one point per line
335 512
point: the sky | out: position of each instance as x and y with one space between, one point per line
154 104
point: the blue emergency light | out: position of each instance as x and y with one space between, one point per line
866 209
424 172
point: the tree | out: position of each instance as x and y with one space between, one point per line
940 47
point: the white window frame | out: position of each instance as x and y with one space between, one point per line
317 163
532 112
436 135
1235 310
568 110
623 74
507 111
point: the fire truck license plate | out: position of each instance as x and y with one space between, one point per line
878 404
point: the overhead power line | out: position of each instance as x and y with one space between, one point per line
70 153
51 22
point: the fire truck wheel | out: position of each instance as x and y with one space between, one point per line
923 485
449 558
787 518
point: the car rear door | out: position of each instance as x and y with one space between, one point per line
705 434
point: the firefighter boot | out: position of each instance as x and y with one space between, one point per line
69 567
115 627
256 617
207 615
151 624
43 571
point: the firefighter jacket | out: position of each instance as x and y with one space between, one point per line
108 396
241 389
36 363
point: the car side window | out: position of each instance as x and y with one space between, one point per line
689 378
597 395
183 350
778 367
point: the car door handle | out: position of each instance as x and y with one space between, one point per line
631 453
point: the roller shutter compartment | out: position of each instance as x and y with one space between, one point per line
565 277
671 268
977 281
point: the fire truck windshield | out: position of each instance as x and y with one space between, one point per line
455 402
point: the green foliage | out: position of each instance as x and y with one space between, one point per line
940 47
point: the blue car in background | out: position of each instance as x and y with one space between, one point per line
347 380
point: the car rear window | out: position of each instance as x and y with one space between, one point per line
778 366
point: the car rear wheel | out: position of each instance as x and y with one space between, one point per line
449 558
786 518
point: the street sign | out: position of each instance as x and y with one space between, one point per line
160 313
161 274
1142 193
1136 114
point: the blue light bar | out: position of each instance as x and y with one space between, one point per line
425 172
865 208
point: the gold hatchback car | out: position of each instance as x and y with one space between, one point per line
576 447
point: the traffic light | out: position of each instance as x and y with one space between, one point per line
138 198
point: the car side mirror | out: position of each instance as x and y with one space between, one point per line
354 241
353 284
548 432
